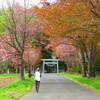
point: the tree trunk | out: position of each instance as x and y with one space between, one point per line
30 71
83 64
17 70
94 74
90 72
83 71
22 73
91 61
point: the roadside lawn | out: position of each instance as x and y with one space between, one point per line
16 89
92 82
9 74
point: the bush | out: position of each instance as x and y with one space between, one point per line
62 65
97 69
69 70
76 68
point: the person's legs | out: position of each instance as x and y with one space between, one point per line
38 84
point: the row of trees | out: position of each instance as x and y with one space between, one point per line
78 22
20 29
21 41
68 27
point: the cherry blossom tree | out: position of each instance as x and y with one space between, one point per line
64 49
21 25
66 53
6 52
32 56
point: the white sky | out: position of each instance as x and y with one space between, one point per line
31 2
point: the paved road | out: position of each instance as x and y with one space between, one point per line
57 87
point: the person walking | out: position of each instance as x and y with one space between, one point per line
37 79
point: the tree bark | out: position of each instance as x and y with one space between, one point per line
22 71
30 71
83 64
90 72
94 74
91 60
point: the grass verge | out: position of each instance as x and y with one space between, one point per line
16 89
9 74
92 82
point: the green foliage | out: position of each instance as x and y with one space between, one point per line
93 82
2 19
97 68
5 67
40 40
46 53
21 87
77 68
62 65
69 70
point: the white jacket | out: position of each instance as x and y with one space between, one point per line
37 76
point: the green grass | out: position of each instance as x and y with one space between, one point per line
4 98
21 87
15 74
93 82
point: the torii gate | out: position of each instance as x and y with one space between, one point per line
50 61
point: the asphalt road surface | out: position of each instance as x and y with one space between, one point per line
57 87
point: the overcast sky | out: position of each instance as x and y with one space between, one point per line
4 2
31 2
